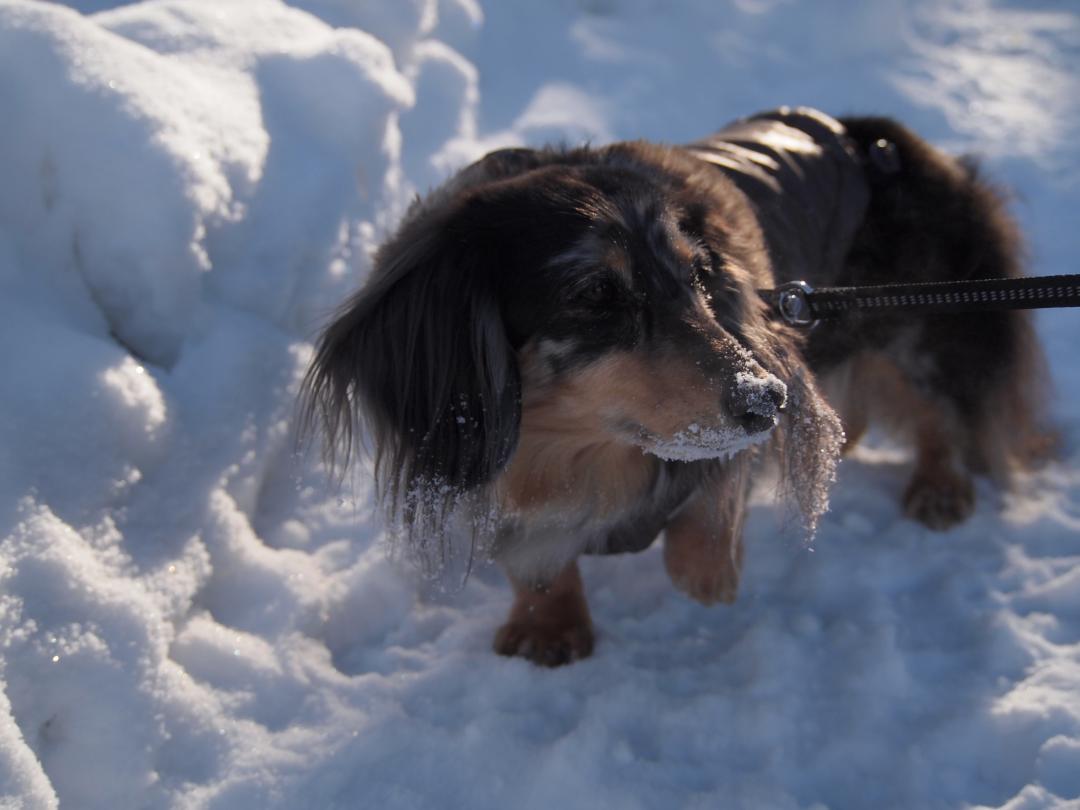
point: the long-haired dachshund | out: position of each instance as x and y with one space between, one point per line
564 351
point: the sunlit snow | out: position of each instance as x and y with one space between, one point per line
192 615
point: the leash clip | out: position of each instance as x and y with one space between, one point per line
793 303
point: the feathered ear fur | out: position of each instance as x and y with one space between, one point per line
810 437
810 440
419 360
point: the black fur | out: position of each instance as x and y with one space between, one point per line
421 352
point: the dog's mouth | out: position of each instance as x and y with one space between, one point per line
697 443
753 410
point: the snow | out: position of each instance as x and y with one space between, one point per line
696 443
191 615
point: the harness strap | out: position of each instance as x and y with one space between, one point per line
801 305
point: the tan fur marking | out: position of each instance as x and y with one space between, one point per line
616 258
570 451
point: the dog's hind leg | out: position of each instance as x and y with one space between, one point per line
887 388
549 623
972 398
940 493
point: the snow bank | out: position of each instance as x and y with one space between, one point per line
191 617
179 211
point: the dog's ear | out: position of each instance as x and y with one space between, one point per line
809 438
421 359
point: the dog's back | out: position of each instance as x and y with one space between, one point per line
806 180
864 201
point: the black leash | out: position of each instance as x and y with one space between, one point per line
801 305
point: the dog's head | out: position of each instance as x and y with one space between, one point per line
608 296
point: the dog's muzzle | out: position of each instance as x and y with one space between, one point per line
753 404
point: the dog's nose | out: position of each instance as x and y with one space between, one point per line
754 402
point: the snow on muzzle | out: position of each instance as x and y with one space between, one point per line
753 407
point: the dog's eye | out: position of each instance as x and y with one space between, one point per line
597 291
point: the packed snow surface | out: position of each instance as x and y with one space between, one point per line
192 616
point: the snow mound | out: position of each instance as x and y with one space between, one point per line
208 162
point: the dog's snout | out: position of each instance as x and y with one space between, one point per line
756 423
754 402
776 391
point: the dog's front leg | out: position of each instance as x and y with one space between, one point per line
549 623
703 549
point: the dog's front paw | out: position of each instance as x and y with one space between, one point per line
546 644
549 624
939 500
705 578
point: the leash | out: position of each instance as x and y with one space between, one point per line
799 304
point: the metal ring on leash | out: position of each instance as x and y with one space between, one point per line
793 303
